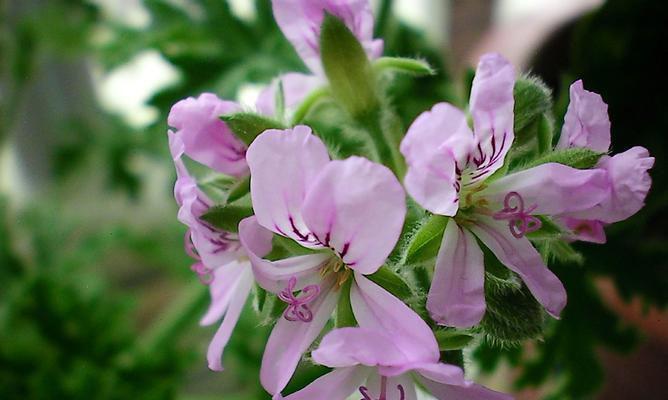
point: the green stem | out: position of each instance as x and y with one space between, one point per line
307 104
387 149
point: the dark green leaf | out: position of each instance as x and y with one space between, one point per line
227 217
392 282
427 240
452 339
408 66
576 157
247 126
344 310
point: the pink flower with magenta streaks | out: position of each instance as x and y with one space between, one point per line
351 213
449 166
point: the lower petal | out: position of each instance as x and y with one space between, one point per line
228 283
457 294
467 391
290 339
336 385
375 308
522 258
583 229
220 339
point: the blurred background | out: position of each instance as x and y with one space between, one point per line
96 297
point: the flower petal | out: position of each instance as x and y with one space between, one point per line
206 138
336 385
467 391
220 339
435 147
283 166
346 347
491 106
586 230
214 247
457 293
300 22
375 308
274 275
227 284
356 208
586 123
629 184
290 339
552 188
296 87
521 257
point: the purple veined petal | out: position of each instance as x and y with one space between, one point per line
296 87
551 189
521 257
274 275
284 164
629 180
357 208
300 22
436 147
214 247
290 339
228 282
220 339
336 385
346 347
205 137
457 294
491 106
400 387
585 230
586 123
375 308
442 373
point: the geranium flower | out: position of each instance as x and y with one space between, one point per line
449 170
220 259
587 124
371 361
300 22
350 212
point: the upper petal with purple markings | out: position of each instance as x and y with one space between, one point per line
586 123
436 147
356 208
300 21
284 165
491 106
206 138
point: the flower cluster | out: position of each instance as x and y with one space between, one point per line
327 238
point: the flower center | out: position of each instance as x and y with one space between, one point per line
383 391
520 221
337 267
298 309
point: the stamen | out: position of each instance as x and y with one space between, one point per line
298 309
383 391
520 221
204 273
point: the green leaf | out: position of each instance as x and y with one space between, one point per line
279 101
227 217
427 240
260 298
347 67
532 99
408 66
239 189
548 230
452 339
344 309
576 157
392 282
557 249
247 126
545 134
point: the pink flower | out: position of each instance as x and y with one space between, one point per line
449 167
219 254
205 138
586 124
372 362
351 212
